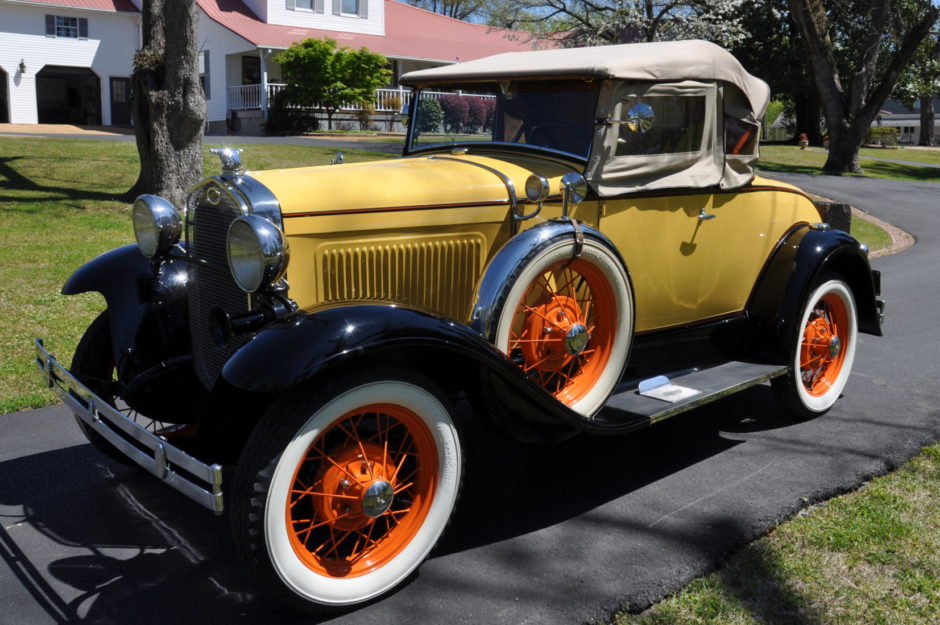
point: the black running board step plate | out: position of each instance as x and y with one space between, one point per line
712 384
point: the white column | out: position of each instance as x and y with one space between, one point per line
264 82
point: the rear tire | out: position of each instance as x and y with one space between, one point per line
821 353
342 492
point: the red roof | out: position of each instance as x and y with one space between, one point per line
125 6
410 32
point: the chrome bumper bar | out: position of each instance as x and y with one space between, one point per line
202 482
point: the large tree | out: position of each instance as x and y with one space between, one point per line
168 103
857 51
458 9
772 51
920 84
320 75
598 22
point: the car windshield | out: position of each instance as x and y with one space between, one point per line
557 115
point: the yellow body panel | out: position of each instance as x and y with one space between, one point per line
686 269
419 231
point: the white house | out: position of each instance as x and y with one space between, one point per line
70 61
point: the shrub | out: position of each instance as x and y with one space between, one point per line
284 119
476 118
364 116
456 109
885 136
430 115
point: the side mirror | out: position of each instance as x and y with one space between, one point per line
640 117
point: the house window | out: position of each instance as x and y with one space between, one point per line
350 7
65 26
304 4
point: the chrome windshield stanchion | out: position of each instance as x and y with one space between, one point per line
199 481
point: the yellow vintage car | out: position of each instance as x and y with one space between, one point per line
573 240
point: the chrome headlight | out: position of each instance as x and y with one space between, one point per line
157 224
257 252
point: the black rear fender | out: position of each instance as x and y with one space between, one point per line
797 264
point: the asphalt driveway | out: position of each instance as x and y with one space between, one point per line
559 534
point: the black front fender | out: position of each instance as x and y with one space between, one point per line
124 277
300 347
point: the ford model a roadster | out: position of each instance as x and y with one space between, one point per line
590 252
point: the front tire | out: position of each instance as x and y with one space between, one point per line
821 353
343 492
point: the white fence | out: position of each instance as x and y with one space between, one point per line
242 97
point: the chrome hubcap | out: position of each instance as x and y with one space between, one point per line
577 339
835 346
377 498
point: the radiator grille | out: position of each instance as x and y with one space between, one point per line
212 286
437 273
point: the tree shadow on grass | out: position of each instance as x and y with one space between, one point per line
12 180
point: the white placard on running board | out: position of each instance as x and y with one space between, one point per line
661 388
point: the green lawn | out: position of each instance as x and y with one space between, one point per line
788 158
59 201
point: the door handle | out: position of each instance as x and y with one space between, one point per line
703 216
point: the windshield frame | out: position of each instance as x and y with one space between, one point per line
412 146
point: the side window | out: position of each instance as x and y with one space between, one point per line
661 124
740 136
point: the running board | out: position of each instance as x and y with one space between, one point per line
706 386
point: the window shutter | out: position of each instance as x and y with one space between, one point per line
50 26
290 5
205 74
337 7
318 6
363 9
83 28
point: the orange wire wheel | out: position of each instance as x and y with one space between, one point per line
563 329
362 491
822 353
343 489
821 350
566 317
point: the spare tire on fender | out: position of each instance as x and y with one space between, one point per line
564 315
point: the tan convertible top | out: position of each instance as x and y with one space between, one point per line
666 60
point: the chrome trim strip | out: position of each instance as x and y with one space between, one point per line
510 186
163 458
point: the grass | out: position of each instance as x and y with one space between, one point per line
867 557
60 204
792 159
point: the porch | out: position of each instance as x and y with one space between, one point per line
260 97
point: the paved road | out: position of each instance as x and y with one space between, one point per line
542 535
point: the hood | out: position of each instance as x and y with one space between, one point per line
399 184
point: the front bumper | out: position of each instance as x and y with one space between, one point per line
200 482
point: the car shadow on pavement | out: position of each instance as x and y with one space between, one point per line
92 541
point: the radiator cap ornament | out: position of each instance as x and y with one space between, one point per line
231 161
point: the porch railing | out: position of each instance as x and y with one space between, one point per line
242 97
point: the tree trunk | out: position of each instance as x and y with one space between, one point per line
926 120
843 151
168 102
